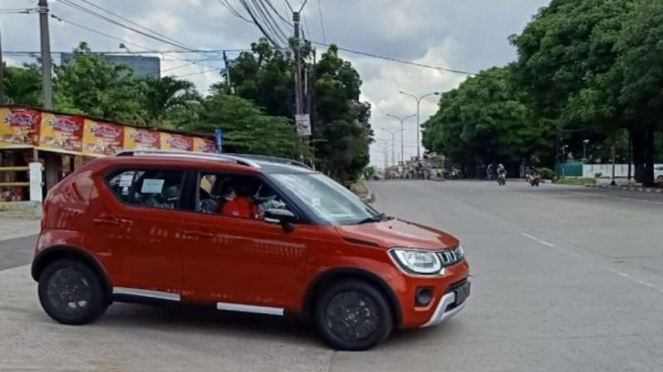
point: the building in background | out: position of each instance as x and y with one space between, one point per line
141 65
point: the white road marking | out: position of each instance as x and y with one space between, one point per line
551 245
538 240
618 198
641 282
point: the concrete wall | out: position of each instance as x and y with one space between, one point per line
621 170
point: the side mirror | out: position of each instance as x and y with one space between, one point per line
282 217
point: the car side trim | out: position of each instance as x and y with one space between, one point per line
146 293
250 308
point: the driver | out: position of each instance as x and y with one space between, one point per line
238 206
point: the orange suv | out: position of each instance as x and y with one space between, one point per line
242 233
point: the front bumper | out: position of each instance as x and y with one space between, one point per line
441 313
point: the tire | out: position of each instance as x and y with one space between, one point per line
77 281
371 320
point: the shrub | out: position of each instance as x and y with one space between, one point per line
598 174
547 173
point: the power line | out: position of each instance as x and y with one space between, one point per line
232 10
392 59
271 5
272 24
265 33
115 38
130 21
322 22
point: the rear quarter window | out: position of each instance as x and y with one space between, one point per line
148 188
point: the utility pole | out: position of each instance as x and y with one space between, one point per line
225 61
402 121
46 74
299 97
2 74
419 99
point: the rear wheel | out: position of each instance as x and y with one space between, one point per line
353 315
71 292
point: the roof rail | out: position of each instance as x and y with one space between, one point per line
187 154
273 159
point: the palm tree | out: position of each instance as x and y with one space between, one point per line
162 95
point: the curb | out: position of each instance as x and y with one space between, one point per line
370 197
627 188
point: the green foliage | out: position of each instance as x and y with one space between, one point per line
341 129
23 84
369 172
93 87
246 128
546 173
161 96
485 120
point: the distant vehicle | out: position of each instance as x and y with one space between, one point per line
658 172
241 233
501 179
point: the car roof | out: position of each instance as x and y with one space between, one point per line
253 163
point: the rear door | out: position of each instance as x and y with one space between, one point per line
138 218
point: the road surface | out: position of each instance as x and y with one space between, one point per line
564 279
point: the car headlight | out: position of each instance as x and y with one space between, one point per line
415 261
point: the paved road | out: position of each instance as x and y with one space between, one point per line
564 279
16 252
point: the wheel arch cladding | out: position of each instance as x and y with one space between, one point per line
324 279
47 256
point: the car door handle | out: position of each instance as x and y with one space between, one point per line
107 221
198 234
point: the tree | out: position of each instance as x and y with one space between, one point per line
487 120
246 128
160 96
23 85
93 87
341 129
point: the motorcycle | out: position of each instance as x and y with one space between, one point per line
534 180
501 179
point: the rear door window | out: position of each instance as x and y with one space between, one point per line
149 188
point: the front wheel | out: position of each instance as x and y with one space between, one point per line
353 315
71 292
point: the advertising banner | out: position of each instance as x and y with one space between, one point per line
19 126
176 142
101 138
203 145
61 133
141 139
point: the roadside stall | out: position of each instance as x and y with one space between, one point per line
62 142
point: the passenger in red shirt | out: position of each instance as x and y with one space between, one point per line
239 206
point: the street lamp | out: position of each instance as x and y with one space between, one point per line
402 120
393 133
419 99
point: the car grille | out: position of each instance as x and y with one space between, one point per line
450 257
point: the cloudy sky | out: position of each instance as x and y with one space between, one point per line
468 35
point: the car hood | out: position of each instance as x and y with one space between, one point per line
397 233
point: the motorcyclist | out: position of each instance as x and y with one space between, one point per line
501 171
489 171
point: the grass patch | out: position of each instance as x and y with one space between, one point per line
575 181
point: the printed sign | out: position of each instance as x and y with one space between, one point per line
102 138
19 126
141 139
61 132
303 122
203 145
152 186
176 142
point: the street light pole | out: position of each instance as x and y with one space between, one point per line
46 73
418 100
393 133
402 121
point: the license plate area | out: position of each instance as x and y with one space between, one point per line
462 292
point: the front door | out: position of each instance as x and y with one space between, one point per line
235 259
138 219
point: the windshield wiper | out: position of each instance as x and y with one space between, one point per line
379 218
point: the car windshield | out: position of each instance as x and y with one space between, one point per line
329 200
